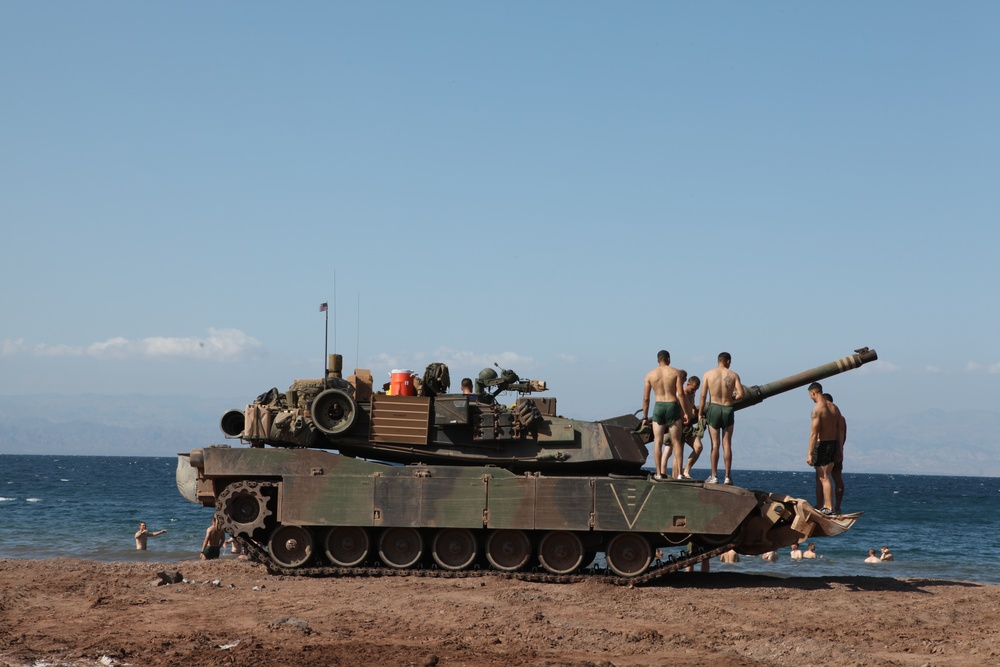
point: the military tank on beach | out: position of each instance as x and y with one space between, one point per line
339 478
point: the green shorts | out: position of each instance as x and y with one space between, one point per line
693 430
719 416
666 413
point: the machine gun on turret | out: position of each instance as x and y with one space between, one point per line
506 380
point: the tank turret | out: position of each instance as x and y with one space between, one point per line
428 425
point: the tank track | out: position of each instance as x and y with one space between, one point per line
658 570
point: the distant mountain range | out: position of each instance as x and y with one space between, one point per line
929 443
135 425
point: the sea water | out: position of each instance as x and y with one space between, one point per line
90 507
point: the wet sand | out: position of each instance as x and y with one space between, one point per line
76 612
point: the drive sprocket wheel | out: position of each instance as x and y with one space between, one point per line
243 508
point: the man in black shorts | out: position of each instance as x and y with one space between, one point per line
837 473
824 438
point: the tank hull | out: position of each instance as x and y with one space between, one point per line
314 495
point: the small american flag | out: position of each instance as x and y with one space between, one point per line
323 307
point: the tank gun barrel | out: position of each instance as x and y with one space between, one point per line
757 393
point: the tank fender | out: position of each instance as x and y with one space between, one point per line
187 479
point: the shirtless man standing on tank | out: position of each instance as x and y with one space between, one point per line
837 472
724 388
695 429
824 438
669 415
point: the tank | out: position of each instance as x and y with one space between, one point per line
341 479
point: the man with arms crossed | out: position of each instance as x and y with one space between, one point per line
724 388
823 440
669 415
837 473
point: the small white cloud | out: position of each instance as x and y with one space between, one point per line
568 358
932 369
993 368
879 366
219 345
972 367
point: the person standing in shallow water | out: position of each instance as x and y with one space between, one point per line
143 534
215 537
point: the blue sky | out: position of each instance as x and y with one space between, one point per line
561 187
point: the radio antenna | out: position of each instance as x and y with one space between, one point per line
335 311
325 308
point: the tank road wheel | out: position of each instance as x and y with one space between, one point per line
508 550
401 547
333 411
243 508
347 546
629 554
454 548
290 546
560 552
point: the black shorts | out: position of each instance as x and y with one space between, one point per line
826 451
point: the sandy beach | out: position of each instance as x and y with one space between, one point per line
75 612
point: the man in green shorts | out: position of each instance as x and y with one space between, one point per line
725 389
695 429
211 546
669 415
